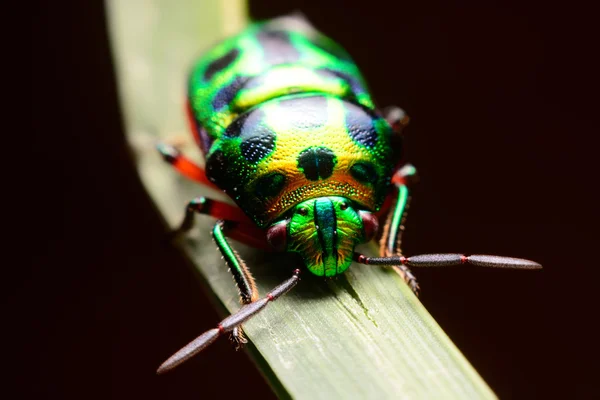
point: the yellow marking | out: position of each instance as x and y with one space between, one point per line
292 140
286 79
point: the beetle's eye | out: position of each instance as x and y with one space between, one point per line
277 236
303 211
370 224
343 206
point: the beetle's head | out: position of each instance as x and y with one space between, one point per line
324 231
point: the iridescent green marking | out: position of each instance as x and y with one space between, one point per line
288 118
265 62
324 231
398 213
235 264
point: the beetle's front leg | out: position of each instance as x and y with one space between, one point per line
241 228
214 208
241 274
227 215
391 240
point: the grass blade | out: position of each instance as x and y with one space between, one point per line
361 335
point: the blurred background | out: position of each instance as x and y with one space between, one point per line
504 120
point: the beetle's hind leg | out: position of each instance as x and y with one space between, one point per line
391 240
184 165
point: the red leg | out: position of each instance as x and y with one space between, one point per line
185 167
248 234
404 175
239 227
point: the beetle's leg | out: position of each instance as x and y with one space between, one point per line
229 324
240 227
396 117
214 208
390 243
241 274
183 165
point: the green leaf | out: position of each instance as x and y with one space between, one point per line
361 335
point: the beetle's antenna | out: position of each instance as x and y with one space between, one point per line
227 325
448 260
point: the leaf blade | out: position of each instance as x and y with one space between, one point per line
363 334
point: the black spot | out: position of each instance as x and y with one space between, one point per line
203 138
277 47
235 128
360 125
364 172
270 185
228 93
258 140
258 146
317 163
354 83
216 168
305 112
220 63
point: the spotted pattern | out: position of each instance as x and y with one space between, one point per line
257 139
258 146
283 115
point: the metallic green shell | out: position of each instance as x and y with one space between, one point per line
269 60
283 116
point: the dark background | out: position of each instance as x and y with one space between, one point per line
502 131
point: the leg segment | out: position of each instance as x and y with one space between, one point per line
229 324
214 208
185 166
390 243
396 117
239 226
241 274
239 270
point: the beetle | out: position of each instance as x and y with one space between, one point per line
291 134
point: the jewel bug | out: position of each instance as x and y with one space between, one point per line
291 134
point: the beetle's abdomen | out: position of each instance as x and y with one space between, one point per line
268 61
297 147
